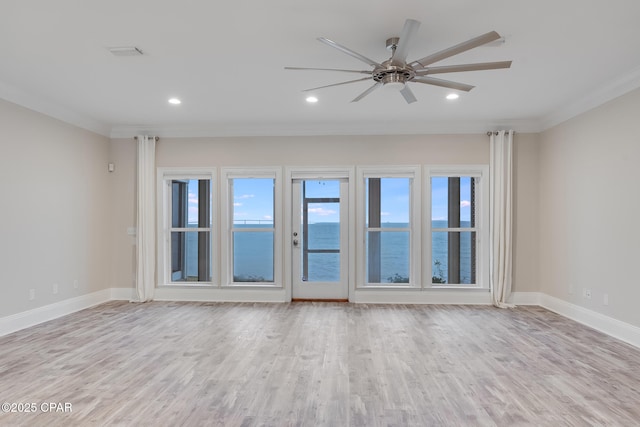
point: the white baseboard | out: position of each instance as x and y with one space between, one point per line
605 324
431 296
204 294
219 295
600 322
29 318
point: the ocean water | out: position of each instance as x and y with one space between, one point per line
253 254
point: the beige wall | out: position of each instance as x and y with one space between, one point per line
330 151
54 215
122 210
526 165
323 150
589 207
272 151
65 218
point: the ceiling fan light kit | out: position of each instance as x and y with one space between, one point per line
393 82
396 72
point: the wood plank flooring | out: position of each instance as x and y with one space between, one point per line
318 364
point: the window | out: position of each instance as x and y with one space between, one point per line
391 238
253 243
457 228
185 252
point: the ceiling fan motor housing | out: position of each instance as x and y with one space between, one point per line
393 74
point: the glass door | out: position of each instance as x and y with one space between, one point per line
319 239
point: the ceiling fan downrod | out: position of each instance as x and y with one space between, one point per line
392 43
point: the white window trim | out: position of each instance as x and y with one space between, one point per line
415 270
226 218
164 175
482 222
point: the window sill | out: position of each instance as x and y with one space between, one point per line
426 288
389 287
251 286
189 285
456 288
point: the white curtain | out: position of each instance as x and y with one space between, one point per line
501 200
146 220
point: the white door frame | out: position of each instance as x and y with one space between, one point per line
307 172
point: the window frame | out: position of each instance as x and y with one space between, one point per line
413 173
481 173
165 176
228 174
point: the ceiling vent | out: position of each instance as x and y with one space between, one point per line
125 51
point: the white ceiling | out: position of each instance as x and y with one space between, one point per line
225 61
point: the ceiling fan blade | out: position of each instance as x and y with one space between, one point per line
408 31
464 67
454 50
367 92
349 52
408 95
337 84
328 69
442 83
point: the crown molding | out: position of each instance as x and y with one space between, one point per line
325 129
40 105
593 99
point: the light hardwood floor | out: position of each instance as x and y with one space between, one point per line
319 364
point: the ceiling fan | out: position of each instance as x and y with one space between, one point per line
396 72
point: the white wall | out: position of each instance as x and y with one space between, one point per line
54 221
590 209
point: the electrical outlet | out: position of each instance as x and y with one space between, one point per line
587 293
32 294
55 288
75 284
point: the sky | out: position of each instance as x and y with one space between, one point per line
439 198
253 200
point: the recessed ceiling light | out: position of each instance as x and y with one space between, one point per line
312 99
453 96
174 101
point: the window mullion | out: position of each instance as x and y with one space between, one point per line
374 221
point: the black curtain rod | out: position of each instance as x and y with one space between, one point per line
157 138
